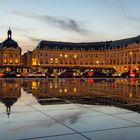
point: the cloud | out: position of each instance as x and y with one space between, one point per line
65 24
128 14
34 39
122 5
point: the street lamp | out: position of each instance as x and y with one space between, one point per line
97 62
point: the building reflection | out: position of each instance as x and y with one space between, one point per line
108 92
10 91
123 93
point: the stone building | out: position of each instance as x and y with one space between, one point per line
26 58
10 52
122 55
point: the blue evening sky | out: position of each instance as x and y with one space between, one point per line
68 20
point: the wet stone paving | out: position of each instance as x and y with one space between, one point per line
78 109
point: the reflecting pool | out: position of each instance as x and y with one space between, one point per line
70 108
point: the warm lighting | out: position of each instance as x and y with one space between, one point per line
11 60
66 55
97 62
34 61
125 69
51 85
35 85
75 56
56 86
5 60
130 95
75 90
61 55
60 90
131 53
65 90
56 60
51 60
16 60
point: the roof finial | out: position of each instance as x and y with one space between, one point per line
9 33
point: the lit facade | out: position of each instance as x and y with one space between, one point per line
122 55
70 89
10 52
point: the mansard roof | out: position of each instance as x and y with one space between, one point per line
87 45
72 46
8 43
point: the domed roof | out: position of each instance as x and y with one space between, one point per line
9 42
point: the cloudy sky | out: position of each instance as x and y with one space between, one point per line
68 20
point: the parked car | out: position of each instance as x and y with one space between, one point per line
94 74
36 75
87 74
24 74
12 74
50 75
1 74
124 74
69 74
134 74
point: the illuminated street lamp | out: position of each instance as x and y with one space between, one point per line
66 55
131 53
75 56
125 69
97 62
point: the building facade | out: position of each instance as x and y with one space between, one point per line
26 58
122 55
10 52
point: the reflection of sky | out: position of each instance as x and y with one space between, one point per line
74 20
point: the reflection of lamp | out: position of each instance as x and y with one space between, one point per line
51 85
35 84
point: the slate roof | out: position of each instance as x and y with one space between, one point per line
89 45
9 43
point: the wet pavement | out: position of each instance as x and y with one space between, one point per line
61 109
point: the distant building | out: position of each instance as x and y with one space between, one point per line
123 55
10 52
27 58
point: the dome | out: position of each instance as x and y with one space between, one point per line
9 42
